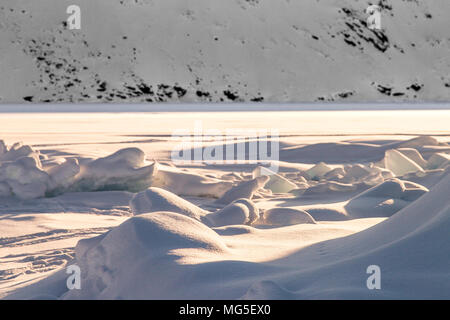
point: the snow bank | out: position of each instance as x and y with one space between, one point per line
135 259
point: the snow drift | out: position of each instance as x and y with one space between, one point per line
410 247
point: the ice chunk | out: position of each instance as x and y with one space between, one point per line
318 171
277 183
414 155
24 178
3 148
399 164
63 175
123 170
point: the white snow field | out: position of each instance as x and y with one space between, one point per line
215 50
353 189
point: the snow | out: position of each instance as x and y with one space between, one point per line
124 170
112 202
286 217
156 199
275 51
244 190
385 199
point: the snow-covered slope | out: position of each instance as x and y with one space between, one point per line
237 50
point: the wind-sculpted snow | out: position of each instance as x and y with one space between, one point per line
160 245
239 212
183 232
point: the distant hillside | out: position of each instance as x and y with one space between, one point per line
217 50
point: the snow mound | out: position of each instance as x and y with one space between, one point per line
385 199
280 217
245 189
232 214
239 212
156 199
115 263
253 211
